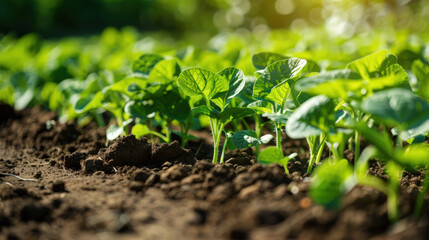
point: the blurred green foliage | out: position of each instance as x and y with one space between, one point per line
56 18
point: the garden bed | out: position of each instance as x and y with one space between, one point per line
137 190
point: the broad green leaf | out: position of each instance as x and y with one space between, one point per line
165 71
88 103
330 181
145 63
198 81
264 59
421 70
413 156
235 78
272 84
399 108
311 118
233 113
172 105
278 117
140 130
392 76
372 65
206 110
22 101
122 86
113 132
270 155
274 155
333 84
246 139
140 109
246 95
261 106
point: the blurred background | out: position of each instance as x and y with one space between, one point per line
59 18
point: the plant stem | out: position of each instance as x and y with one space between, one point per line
99 119
222 156
357 146
392 200
311 140
421 197
321 147
168 132
258 131
278 136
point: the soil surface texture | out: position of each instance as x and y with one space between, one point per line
71 186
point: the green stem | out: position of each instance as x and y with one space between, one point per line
357 146
99 119
392 200
278 136
222 156
321 147
312 147
421 197
168 132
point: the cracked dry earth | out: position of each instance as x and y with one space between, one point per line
137 190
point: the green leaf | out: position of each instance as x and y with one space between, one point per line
311 118
140 130
261 106
274 155
278 117
246 95
399 108
139 109
413 156
123 85
333 84
264 59
272 84
165 71
89 103
24 99
206 110
270 155
330 181
421 70
197 81
172 105
113 132
235 78
372 65
233 113
246 139
145 63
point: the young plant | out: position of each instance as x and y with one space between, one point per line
217 91
161 99
275 155
316 121
349 86
274 84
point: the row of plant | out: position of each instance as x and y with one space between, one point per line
373 98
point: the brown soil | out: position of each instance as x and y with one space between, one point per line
135 190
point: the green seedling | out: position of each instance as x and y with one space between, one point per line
161 98
275 155
316 121
274 83
217 91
